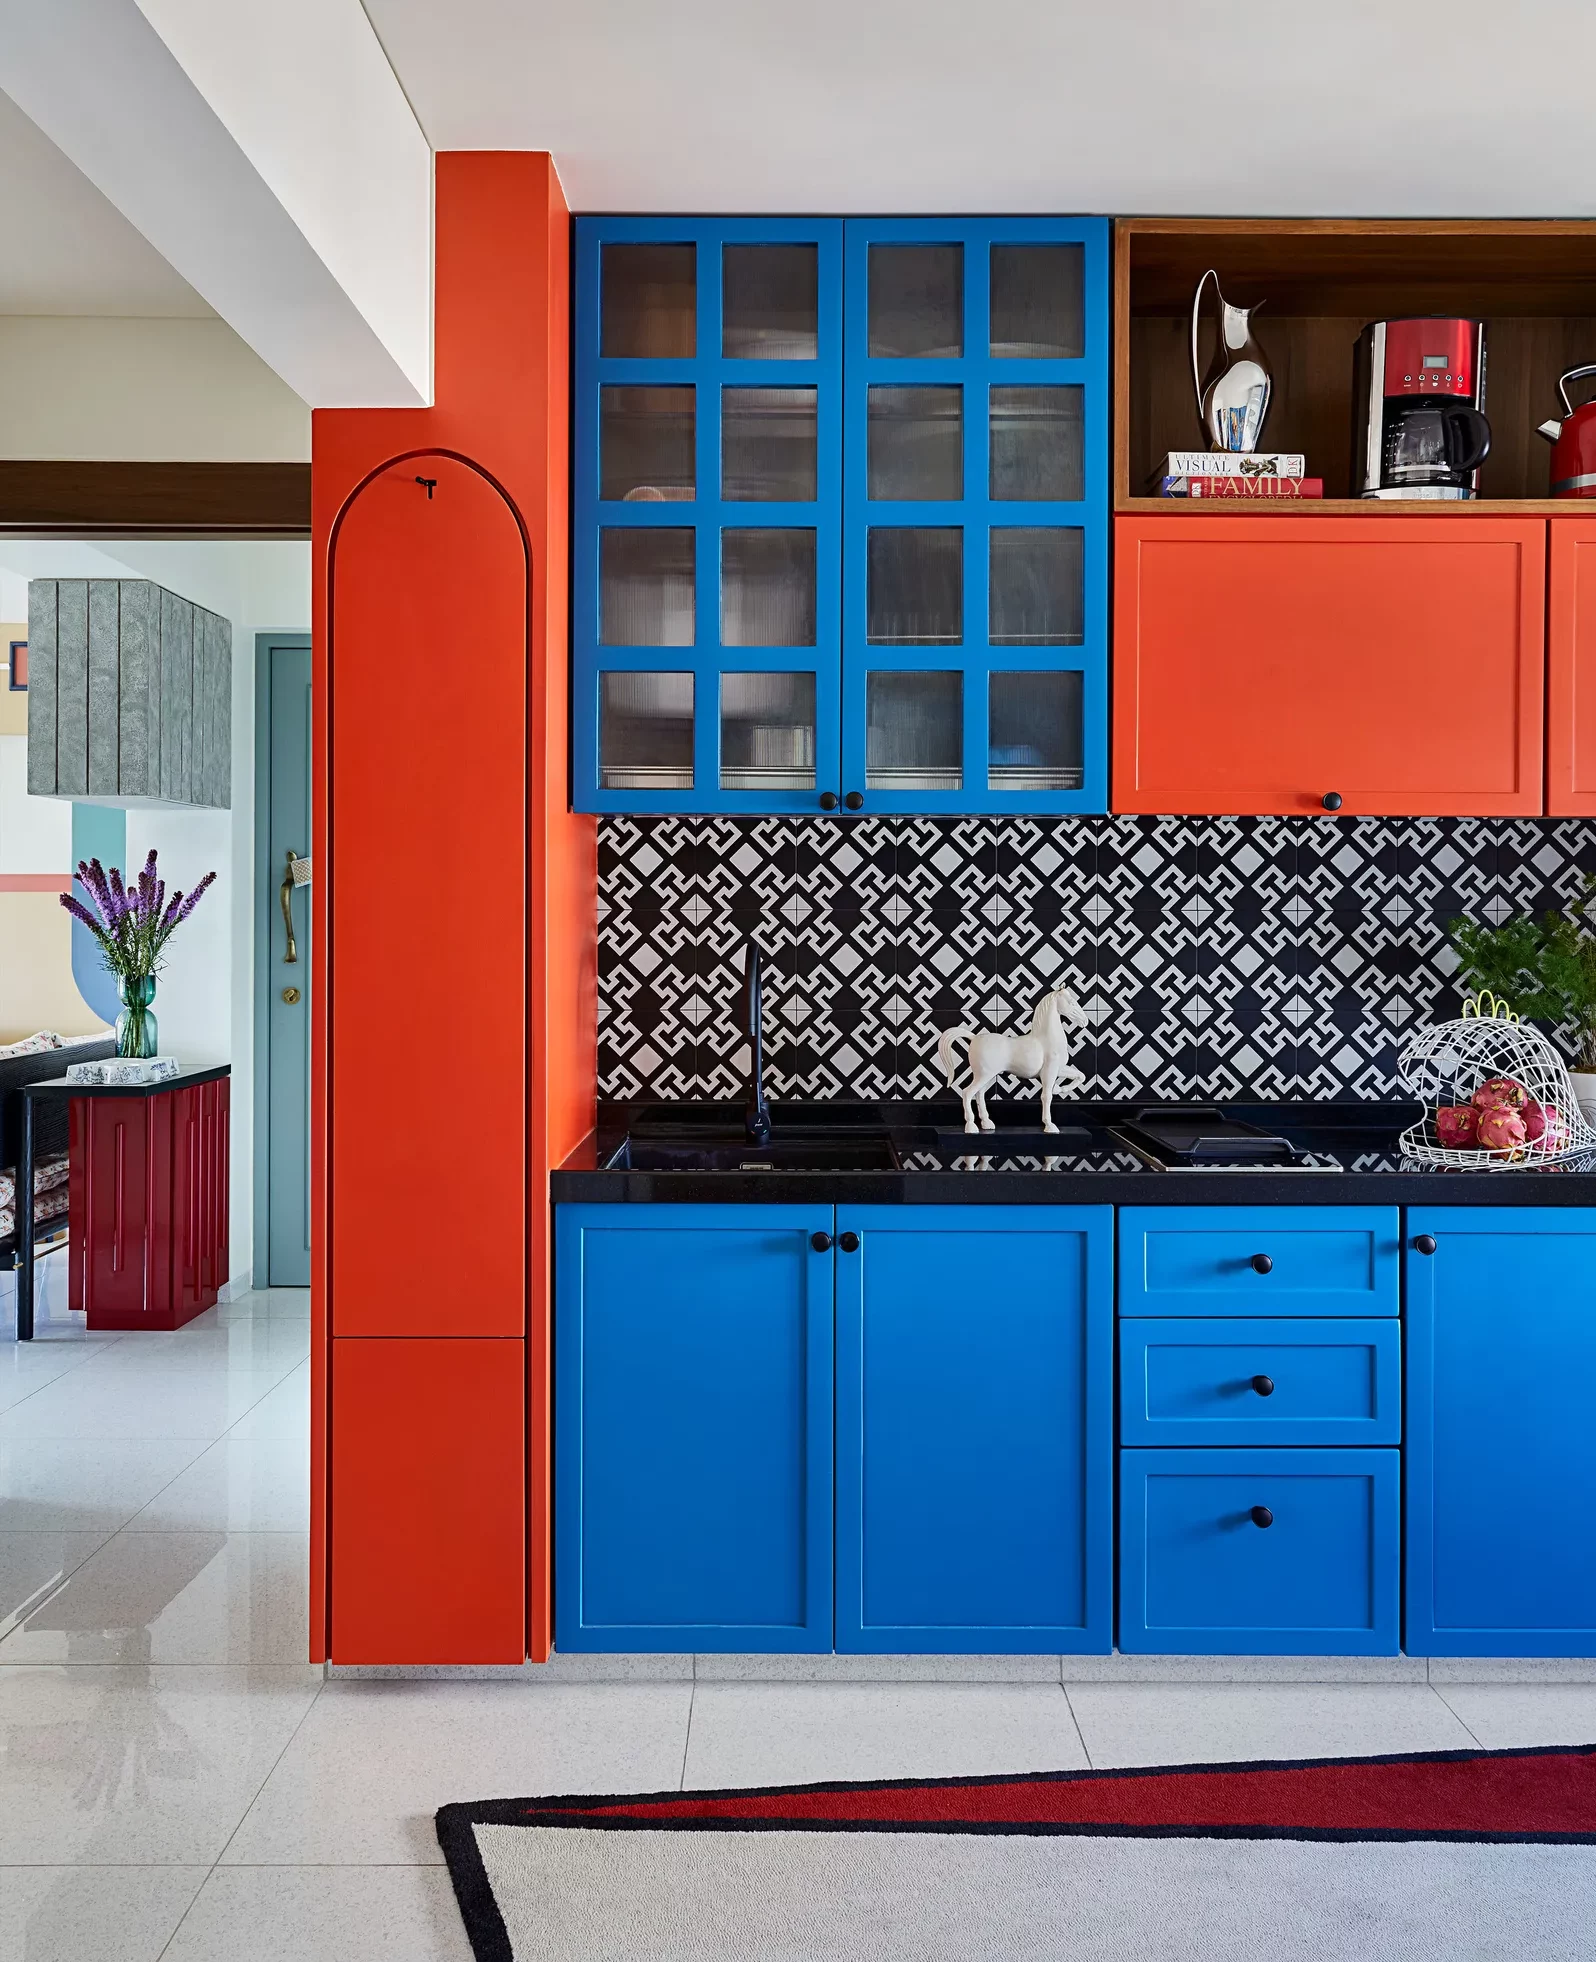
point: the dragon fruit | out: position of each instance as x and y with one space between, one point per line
1458 1126
1543 1125
1501 1090
1501 1128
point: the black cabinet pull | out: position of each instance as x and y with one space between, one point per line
1424 1243
849 1242
1264 1385
1261 1516
1331 800
821 1242
828 800
1261 1264
854 800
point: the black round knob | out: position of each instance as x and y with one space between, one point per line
821 1242
1424 1243
849 1242
1261 1516
828 800
1261 1264
854 801
1264 1385
1331 800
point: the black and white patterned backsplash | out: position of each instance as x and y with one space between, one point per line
1220 958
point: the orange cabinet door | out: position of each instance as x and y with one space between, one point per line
1263 664
1571 670
427 907
428 1501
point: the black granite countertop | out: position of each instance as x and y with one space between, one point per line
1353 1148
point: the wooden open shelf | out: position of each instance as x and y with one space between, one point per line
1532 281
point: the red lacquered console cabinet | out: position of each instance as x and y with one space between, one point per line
149 1190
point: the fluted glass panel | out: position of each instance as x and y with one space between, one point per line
1037 312
914 734
916 306
915 586
767 445
646 445
1035 724
645 731
767 588
648 309
645 586
1036 444
767 732
770 308
916 443
1036 592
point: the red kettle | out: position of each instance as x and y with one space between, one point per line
1573 441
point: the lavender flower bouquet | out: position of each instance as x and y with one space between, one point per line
131 925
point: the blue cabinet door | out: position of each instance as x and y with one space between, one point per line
693 1428
1259 1260
975 514
1501 1431
1259 1552
706 581
975 1429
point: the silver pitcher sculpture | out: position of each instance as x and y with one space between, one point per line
1233 397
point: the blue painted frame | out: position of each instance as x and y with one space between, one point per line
1556 1527
697 1224
1094 1227
708 372
977 513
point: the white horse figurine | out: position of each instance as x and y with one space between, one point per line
1042 1057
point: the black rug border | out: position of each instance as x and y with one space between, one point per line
490 1941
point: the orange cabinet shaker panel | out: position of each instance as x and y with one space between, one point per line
428 906
1571 670
1262 665
428 1501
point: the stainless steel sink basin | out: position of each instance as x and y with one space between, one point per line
804 1154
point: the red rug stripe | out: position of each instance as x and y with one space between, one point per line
1492 1793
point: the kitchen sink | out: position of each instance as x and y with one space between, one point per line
801 1154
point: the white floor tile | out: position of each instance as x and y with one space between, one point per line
363 1778
1502 1715
137 1767
169 1401
243 1348
267 1304
781 1733
281 1413
240 1485
85 1484
324 1914
176 1598
27 1366
1169 1723
109 1914
33 1565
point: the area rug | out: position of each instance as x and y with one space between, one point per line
1442 1854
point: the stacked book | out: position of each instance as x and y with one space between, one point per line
1235 473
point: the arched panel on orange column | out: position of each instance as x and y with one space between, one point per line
428 928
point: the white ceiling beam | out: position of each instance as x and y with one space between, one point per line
269 154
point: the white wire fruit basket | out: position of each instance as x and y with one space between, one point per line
1496 1094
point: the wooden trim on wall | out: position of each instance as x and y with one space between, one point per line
155 500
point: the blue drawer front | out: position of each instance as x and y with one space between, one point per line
1193 1382
693 1428
975 1432
1204 1260
1198 1576
1501 1431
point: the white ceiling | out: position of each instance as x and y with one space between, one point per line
1456 107
64 248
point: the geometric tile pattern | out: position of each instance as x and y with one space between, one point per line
1217 957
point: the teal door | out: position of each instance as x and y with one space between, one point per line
282 1019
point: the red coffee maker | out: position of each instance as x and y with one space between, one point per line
1418 425
1573 441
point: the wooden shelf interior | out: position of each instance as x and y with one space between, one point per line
1322 281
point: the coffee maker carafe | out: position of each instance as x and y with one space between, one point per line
1418 427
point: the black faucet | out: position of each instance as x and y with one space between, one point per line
756 1122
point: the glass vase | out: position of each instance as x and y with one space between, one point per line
136 1033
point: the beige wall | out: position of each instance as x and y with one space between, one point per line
111 390
36 986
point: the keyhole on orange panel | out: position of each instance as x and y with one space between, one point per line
431 484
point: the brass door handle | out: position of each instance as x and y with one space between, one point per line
298 874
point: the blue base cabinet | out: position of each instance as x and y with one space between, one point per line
1259 1552
693 1441
1501 1431
975 1429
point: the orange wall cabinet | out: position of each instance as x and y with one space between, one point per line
453 1007
428 1510
1262 665
1571 670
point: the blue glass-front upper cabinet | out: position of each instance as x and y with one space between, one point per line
806 571
975 514
706 587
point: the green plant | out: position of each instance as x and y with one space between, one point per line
1544 969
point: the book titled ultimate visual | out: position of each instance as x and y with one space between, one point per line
1233 463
